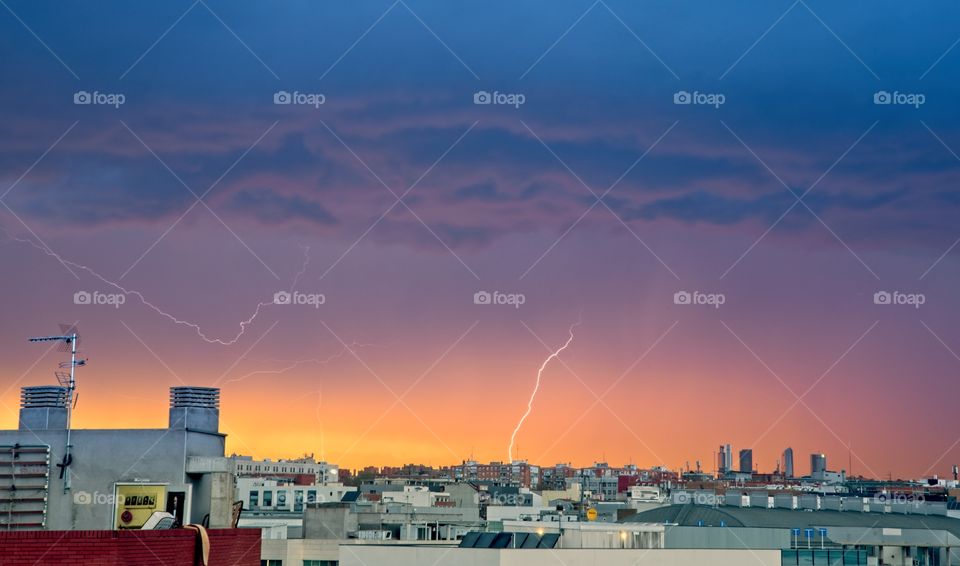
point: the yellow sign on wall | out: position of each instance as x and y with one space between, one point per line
136 502
591 514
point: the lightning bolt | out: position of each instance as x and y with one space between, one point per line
292 364
323 456
143 300
303 268
536 388
297 363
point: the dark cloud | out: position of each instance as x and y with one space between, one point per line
454 236
712 208
485 192
200 100
93 190
270 207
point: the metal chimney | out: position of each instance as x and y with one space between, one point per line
195 408
43 407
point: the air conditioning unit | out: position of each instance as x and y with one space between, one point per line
158 521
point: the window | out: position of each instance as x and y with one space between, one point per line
267 498
298 500
271 563
321 563
254 499
312 496
281 499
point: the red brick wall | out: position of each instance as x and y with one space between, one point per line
177 547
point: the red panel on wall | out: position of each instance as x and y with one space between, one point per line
177 547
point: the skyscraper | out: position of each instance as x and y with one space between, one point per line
724 459
788 462
818 464
746 461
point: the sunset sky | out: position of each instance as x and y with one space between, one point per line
399 364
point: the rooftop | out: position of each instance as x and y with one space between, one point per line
691 515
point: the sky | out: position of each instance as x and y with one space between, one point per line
745 213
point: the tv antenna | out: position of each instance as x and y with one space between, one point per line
66 376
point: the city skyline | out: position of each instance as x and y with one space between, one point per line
371 238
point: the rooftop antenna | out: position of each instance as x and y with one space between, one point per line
66 375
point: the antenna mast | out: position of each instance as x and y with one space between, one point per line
70 337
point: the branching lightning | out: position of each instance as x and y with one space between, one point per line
151 306
536 388
293 364
303 268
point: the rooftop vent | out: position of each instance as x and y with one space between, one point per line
199 397
43 407
195 409
44 396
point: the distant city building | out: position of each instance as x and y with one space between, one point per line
746 461
788 463
819 472
260 494
303 471
603 488
556 477
413 471
724 459
518 472
418 496
818 464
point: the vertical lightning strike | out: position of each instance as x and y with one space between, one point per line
148 304
323 455
536 388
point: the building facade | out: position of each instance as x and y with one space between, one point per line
746 461
724 459
518 472
818 463
114 478
305 470
788 463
